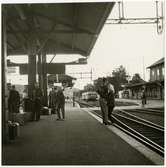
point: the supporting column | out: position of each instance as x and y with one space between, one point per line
4 85
40 71
44 76
31 73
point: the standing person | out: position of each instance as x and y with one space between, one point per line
55 100
103 92
51 100
143 97
37 98
110 101
9 86
60 104
14 100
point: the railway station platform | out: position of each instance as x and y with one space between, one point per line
79 140
150 103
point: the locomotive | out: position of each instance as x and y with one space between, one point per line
89 96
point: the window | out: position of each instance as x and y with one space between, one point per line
163 71
158 74
152 75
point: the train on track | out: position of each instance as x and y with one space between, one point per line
89 96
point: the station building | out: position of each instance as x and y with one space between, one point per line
155 86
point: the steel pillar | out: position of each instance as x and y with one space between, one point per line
31 73
40 71
44 79
5 93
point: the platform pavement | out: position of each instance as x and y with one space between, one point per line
79 140
150 103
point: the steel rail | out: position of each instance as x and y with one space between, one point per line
141 119
152 110
141 137
143 111
130 131
143 123
135 134
137 131
156 149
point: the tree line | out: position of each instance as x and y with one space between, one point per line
118 79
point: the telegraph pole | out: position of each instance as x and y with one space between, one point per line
143 68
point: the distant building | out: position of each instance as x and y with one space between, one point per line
155 86
133 91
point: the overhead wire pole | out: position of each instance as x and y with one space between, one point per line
143 68
158 20
83 73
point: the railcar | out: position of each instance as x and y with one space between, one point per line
89 96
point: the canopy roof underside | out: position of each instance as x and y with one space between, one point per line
60 28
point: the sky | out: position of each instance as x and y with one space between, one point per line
133 46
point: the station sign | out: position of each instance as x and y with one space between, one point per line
12 70
54 68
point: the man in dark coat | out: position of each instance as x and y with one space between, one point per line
14 100
37 99
60 104
51 100
110 101
103 92
143 97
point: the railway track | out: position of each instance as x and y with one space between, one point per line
149 133
147 111
157 117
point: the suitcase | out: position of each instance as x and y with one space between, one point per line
14 130
17 129
45 111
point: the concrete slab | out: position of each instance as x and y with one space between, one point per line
150 103
79 140
150 154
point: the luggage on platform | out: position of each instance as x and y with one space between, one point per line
45 111
28 105
14 130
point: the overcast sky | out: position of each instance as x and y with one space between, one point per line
127 45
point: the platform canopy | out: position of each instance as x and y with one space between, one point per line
59 28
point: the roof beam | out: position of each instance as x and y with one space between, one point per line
57 21
46 40
10 45
30 21
20 12
62 44
45 32
16 25
17 38
17 51
75 19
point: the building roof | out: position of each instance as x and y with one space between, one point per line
59 28
61 77
144 84
135 85
161 61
